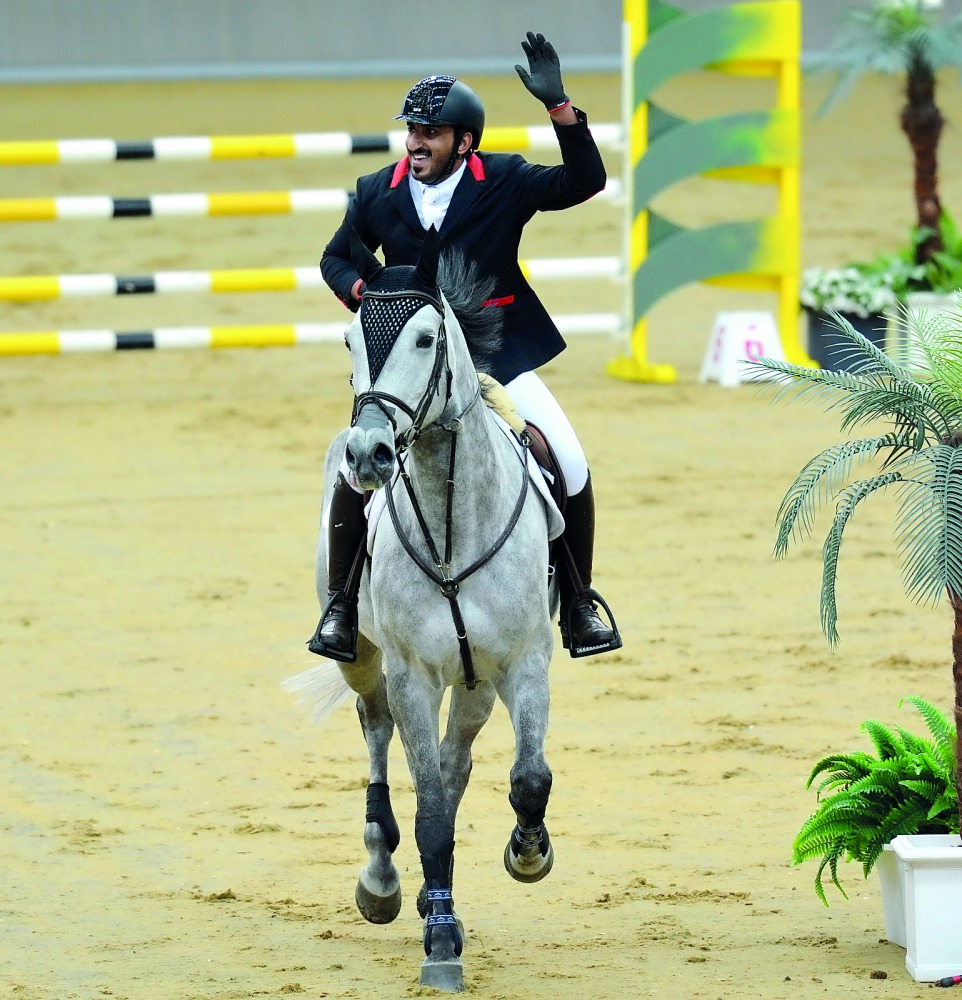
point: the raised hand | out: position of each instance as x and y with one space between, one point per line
543 75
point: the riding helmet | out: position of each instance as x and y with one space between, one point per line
444 100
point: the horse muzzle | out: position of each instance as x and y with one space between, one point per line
370 453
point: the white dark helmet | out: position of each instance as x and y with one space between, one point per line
444 100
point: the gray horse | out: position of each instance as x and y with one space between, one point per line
454 595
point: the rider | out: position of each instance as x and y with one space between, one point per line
479 202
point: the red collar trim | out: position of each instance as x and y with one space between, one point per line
400 172
474 165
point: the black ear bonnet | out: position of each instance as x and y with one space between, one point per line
392 295
389 302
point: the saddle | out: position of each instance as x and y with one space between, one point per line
544 455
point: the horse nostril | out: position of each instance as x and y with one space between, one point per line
350 458
383 456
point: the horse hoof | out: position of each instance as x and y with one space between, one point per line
375 908
443 974
528 869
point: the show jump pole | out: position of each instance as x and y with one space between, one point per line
761 39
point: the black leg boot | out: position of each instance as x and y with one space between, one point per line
336 633
583 632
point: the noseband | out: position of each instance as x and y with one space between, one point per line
383 340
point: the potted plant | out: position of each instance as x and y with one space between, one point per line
865 294
920 454
915 40
910 38
866 800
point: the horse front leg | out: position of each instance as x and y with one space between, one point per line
529 855
467 714
416 704
378 891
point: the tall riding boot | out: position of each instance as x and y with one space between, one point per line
336 633
583 632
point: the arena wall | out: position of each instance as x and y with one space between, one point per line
50 40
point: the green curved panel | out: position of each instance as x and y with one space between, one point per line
661 121
692 255
660 228
660 14
738 31
754 138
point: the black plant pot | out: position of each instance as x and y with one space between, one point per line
829 349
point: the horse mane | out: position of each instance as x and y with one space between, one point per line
466 293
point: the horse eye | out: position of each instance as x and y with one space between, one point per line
346 344
425 340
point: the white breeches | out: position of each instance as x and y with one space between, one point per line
536 403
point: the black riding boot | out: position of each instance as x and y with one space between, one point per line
336 633
583 632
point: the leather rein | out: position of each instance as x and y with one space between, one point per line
439 570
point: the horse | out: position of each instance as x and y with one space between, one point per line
472 615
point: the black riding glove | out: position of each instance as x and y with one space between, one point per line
543 75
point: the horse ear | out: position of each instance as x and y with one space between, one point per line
427 268
366 264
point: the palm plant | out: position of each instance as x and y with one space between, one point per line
896 37
907 788
919 454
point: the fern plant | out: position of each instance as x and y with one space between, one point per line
907 787
918 454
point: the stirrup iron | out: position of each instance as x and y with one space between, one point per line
605 647
318 646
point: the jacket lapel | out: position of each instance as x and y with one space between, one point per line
399 196
465 194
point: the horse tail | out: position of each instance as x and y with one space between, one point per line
322 687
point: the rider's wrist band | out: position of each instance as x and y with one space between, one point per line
559 107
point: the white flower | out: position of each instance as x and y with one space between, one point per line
851 289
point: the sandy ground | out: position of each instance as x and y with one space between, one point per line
173 827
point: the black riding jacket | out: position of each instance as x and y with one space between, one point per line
496 196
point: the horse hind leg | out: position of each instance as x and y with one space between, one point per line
378 891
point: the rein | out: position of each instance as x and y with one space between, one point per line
440 572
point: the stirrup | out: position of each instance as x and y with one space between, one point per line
318 646
604 647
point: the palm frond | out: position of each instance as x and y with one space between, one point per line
849 498
876 387
910 404
785 376
819 481
929 523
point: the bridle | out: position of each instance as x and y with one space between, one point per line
385 400
438 570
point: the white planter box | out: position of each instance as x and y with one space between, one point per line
889 870
932 890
